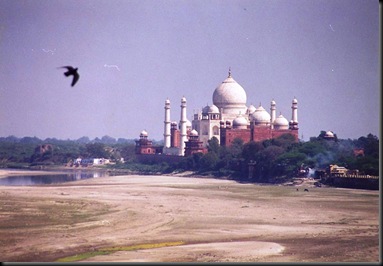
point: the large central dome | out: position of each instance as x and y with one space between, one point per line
230 97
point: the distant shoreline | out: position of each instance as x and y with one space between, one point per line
8 172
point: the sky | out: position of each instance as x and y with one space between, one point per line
132 55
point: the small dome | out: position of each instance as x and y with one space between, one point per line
213 109
295 100
206 109
329 134
281 122
240 121
194 133
167 101
261 116
188 123
272 102
143 133
251 109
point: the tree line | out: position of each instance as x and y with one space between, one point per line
274 160
281 158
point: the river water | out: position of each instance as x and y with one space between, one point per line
54 178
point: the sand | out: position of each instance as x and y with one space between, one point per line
187 219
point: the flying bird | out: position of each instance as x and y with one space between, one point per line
72 72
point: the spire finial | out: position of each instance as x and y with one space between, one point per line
229 72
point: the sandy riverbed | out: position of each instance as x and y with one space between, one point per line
187 219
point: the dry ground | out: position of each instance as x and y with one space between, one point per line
186 219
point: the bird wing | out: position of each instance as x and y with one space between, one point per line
76 76
67 67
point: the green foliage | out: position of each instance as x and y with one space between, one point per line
208 162
235 149
213 145
368 165
96 150
289 163
285 141
22 151
267 162
370 144
148 168
250 150
274 159
311 148
16 152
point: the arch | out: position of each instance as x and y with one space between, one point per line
215 130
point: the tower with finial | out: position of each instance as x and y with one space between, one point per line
294 114
167 124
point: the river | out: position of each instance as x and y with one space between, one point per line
29 178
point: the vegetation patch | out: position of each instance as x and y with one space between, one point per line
107 251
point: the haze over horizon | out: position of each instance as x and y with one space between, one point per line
133 55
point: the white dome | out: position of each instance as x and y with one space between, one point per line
261 116
188 123
281 122
230 96
194 133
251 109
240 121
295 100
143 133
329 134
213 109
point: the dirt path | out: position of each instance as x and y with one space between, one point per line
200 219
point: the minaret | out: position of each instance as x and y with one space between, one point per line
183 127
167 124
273 113
294 115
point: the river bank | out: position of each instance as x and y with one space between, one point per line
187 219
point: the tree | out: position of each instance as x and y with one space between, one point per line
235 149
96 150
288 163
108 140
265 162
128 152
311 148
250 150
285 141
83 140
213 145
368 165
370 144
208 162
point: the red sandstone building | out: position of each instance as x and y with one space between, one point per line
145 146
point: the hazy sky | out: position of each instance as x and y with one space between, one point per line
133 55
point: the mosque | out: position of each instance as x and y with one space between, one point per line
226 119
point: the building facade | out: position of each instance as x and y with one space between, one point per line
227 118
